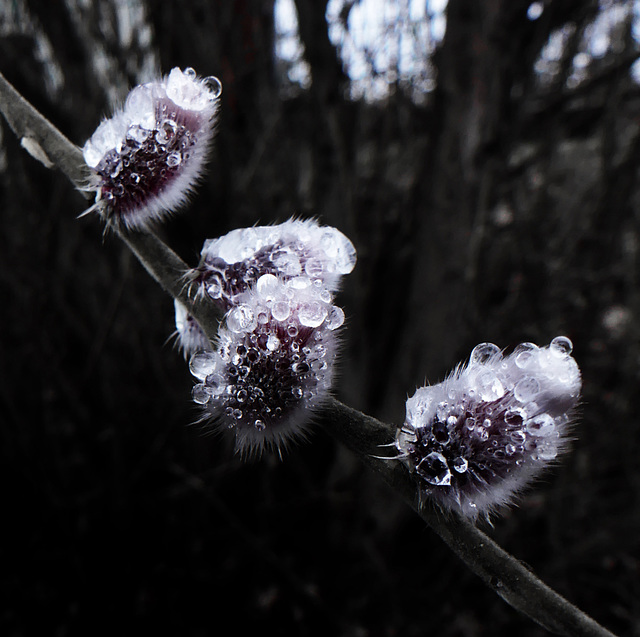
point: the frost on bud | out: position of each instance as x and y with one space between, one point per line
301 250
476 439
189 335
272 365
147 158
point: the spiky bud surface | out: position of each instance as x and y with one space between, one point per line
233 263
476 439
273 363
147 158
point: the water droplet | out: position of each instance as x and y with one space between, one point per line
526 389
442 411
524 354
335 318
518 437
460 464
281 310
190 72
237 414
292 330
214 288
267 285
561 346
541 426
510 449
174 159
314 268
515 416
273 342
288 264
201 394
166 131
214 86
312 314
259 425
241 319
482 434
242 395
202 364
138 133
116 170
483 353
134 178
434 469
489 386
546 450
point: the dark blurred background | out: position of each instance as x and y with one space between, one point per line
483 158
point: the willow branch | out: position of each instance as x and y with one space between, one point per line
48 145
517 585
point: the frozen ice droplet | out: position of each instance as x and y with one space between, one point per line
202 364
561 346
483 353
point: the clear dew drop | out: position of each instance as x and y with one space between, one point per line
314 268
281 310
524 354
174 159
190 72
201 394
561 346
137 133
546 450
202 364
526 389
214 86
541 426
273 342
241 319
312 314
267 284
460 464
214 288
259 425
335 318
434 469
483 353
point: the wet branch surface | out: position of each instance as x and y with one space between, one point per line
362 434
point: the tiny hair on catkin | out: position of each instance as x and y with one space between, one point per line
474 441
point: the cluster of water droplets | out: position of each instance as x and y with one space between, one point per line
295 249
477 438
274 355
149 155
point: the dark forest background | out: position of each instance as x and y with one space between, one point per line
500 203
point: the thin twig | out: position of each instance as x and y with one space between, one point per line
361 433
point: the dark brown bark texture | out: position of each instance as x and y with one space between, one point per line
501 210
